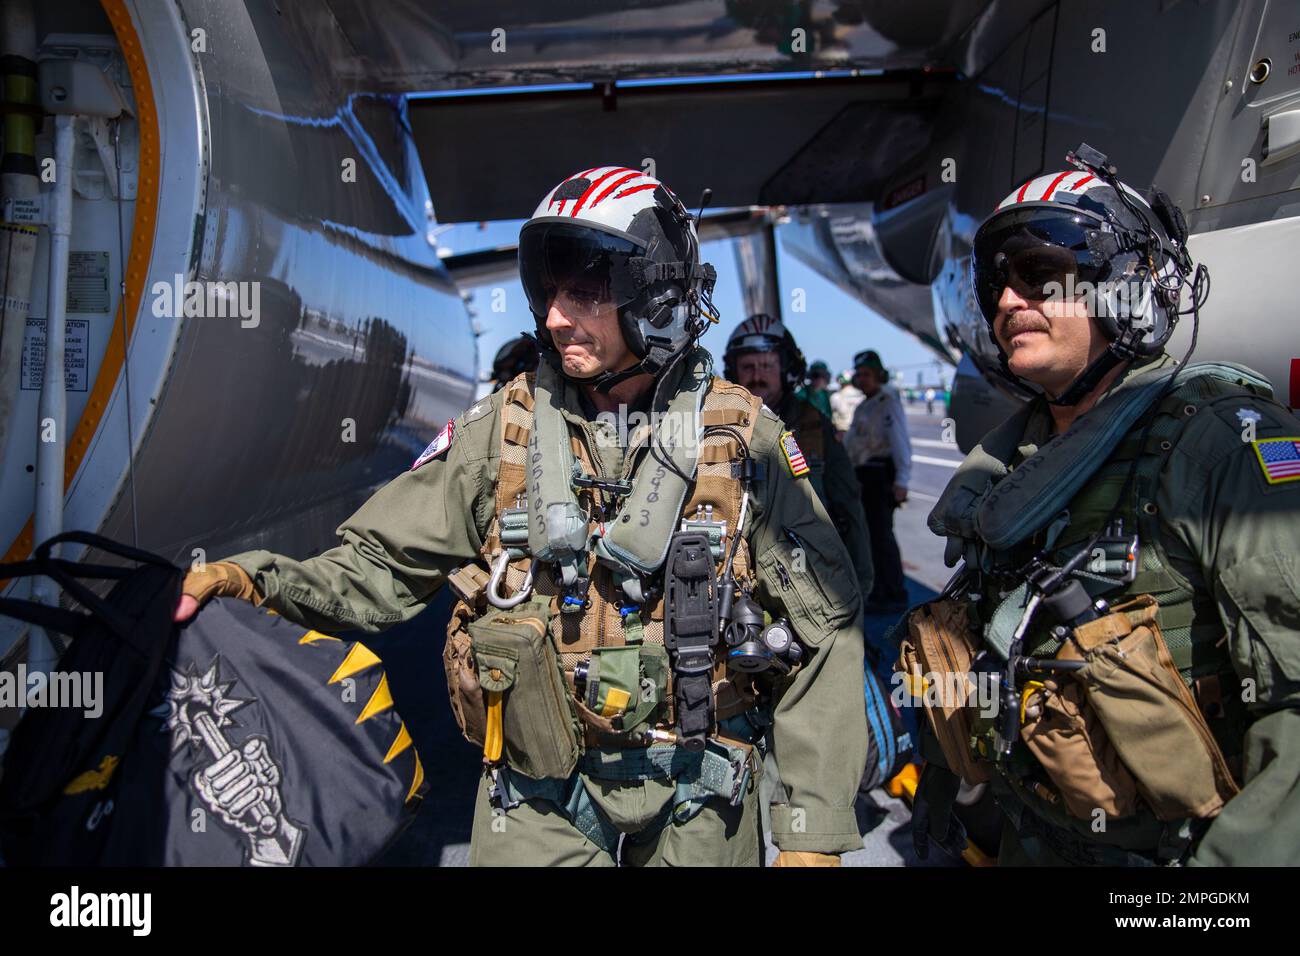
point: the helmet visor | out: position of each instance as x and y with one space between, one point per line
754 342
1040 253
585 270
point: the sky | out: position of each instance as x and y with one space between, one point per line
833 328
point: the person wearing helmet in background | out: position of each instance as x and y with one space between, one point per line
761 355
1129 543
817 391
880 448
516 357
572 512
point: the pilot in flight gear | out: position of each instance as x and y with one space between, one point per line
762 356
881 451
633 630
1129 573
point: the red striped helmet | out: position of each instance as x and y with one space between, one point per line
1084 236
620 235
1072 230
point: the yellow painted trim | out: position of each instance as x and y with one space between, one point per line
380 701
416 779
359 658
311 637
400 744
138 261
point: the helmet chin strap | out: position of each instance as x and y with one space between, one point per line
606 381
1118 351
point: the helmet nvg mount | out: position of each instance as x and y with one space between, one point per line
613 235
763 333
1082 234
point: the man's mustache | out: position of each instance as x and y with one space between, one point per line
1028 323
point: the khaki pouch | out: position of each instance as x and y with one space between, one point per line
1069 742
514 657
1132 685
469 582
463 690
939 647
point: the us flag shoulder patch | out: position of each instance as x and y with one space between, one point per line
793 456
1279 458
436 447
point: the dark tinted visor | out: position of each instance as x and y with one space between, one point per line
590 266
1036 251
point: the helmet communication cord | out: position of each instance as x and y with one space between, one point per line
1044 581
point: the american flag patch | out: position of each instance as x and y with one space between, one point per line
793 456
1280 459
436 447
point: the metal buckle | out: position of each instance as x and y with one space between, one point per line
620 487
494 583
740 770
497 798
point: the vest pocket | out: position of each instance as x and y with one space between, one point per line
463 689
1149 715
935 661
1068 741
520 675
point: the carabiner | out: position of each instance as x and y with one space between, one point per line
494 583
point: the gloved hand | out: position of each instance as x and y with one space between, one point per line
804 858
932 816
219 579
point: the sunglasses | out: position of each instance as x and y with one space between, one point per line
1038 253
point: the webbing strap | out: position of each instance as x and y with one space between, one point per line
716 771
569 796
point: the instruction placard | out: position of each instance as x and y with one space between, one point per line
88 282
76 355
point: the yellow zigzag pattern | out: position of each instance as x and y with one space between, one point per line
360 658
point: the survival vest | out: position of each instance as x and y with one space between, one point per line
605 622
1187 619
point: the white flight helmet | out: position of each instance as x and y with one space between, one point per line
614 234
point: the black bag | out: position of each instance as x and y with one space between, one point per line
236 739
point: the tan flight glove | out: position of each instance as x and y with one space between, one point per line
804 858
221 579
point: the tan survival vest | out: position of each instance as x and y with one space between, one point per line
716 489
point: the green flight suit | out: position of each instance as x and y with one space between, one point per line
834 479
1231 535
399 547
